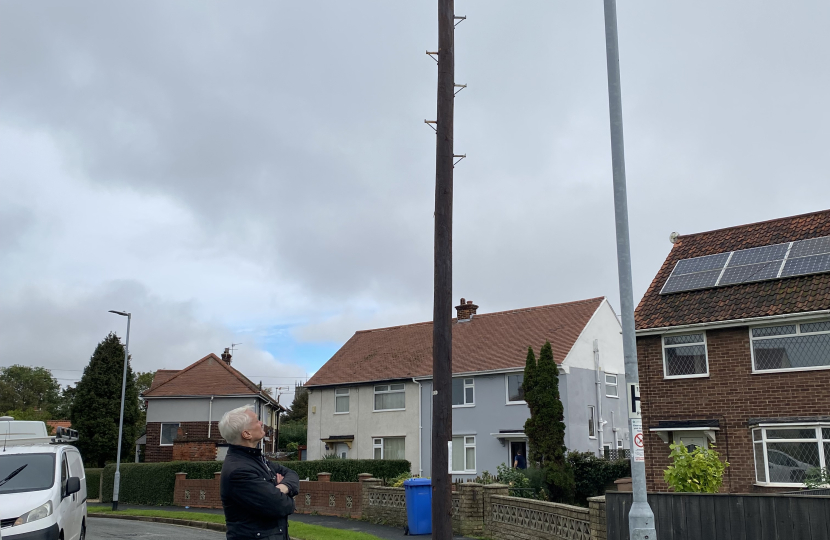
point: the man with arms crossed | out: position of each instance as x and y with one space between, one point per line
257 495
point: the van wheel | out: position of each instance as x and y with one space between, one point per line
83 531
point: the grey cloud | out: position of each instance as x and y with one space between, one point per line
295 131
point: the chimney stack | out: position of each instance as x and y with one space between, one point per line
466 310
226 356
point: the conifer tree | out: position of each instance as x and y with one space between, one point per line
531 425
546 436
97 405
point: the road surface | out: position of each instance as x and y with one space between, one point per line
107 529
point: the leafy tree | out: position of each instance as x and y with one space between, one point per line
545 428
298 412
64 408
24 388
698 471
97 406
143 381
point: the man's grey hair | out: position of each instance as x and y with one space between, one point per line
234 422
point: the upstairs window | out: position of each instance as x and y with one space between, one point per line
685 356
791 347
390 397
463 392
515 391
341 400
611 386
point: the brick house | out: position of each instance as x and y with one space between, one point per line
184 408
733 340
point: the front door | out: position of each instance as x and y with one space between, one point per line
691 439
342 450
515 448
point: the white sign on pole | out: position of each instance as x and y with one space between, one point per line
638 450
633 398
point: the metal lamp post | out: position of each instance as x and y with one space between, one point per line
640 517
117 483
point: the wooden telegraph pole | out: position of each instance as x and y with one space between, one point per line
442 303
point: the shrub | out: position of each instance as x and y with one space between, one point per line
526 483
592 474
399 480
153 483
698 471
818 478
93 483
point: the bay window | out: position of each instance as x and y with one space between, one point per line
786 454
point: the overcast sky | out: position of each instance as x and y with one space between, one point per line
259 172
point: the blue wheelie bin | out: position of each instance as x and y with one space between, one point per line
418 493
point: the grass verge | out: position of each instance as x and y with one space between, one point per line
297 530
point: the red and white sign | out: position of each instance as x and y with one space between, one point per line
637 432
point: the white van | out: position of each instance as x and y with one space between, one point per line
42 483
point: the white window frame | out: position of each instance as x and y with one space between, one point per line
705 353
161 431
615 385
592 421
798 332
340 393
388 391
507 388
379 445
824 460
464 387
467 444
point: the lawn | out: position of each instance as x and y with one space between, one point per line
301 531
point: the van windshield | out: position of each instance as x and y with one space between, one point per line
39 472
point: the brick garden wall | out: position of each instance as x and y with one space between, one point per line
731 394
155 453
331 498
197 493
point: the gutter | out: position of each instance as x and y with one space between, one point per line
210 415
420 431
733 322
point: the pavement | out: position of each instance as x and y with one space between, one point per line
381 531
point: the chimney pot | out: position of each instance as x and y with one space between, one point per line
462 302
226 356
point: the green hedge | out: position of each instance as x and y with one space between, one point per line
93 483
592 474
153 483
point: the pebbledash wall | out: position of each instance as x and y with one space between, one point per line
731 394
362 422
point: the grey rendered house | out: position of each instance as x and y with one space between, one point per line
373 398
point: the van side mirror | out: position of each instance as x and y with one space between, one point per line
73 485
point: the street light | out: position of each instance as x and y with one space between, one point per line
121 422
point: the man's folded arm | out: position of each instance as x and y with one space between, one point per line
290 478
252 491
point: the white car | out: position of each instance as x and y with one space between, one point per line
42 484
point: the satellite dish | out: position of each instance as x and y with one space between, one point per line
673 237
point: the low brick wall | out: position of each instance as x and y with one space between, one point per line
197 493
331 498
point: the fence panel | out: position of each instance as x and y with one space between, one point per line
693 516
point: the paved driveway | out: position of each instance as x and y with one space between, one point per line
107 529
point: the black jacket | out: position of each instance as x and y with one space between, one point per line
254 507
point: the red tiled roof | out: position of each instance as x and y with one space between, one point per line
210 376
775 297
54 424
488 341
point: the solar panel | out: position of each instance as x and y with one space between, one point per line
700 264
759 254
750 272
689 282
802 257
813 246
806 265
